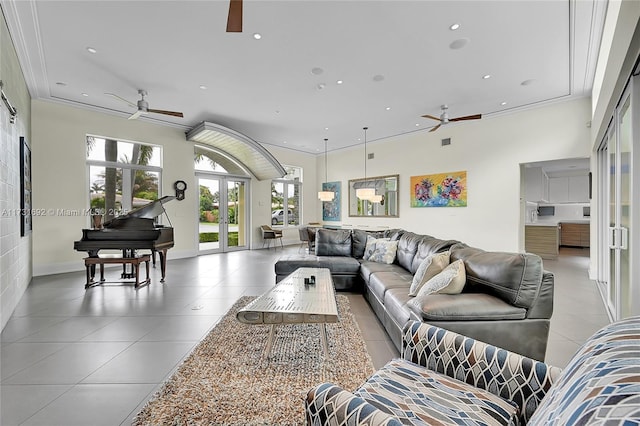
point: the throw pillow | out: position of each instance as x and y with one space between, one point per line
370 247
385 252
429 268
450 281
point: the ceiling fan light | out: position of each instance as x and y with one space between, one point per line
365 193
326 195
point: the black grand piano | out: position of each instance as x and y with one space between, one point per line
133 231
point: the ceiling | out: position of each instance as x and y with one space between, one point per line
397 60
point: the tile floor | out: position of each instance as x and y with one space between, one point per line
75 357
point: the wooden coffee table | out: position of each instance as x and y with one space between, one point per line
292 301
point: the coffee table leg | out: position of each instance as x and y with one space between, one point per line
267 350
323 337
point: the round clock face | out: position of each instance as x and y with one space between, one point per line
180 185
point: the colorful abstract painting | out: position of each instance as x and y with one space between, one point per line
331 209
439 190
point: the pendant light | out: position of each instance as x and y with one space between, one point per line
365 193
326 195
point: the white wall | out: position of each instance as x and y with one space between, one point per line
15 251
491 151
61 182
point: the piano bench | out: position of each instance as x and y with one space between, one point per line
135 261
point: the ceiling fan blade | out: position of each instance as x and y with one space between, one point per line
431 117
234 20
435 128
122 99
136 114
161 111
467 117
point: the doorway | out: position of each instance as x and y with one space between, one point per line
222 213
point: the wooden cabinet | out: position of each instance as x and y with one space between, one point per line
542 240
575 234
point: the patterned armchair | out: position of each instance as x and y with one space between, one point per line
446 378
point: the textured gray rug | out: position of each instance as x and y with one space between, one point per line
227 381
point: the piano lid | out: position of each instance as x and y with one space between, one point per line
148 211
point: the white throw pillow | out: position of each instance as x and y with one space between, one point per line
429 268
370 247
385 252
450 281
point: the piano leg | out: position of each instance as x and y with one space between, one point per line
153 257
92 253
163 263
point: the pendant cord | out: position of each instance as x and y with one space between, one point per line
365 153
326 173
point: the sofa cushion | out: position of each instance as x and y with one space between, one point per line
464 307
359 241
339 265
600 384
367 268
384 251
450 281
418 396
380 282
395 301
333 242
407 248
428 246
514 277
431 266
370 247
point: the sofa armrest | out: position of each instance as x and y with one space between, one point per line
328 404
506 374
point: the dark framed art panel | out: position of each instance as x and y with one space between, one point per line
25 187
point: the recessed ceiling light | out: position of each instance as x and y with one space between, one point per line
378 78
326 128
317 71
91 50
459 43
417 124
339 82
503 103
85 94
203 87
486 76
257 36
388 108
321 86
454 27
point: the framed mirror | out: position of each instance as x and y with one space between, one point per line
382 200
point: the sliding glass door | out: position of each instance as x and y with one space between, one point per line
622 240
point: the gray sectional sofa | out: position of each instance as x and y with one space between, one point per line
507 300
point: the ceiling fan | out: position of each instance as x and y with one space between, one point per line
143 106
444 118
234 20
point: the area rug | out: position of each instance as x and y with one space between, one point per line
227 380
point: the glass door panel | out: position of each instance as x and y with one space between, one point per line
624 206
237 214
209 215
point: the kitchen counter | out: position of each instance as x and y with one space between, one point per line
542 239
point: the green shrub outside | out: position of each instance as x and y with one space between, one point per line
212 237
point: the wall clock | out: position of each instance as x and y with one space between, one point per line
180 186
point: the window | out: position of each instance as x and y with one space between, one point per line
122 175
287 192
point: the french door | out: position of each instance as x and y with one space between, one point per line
223 213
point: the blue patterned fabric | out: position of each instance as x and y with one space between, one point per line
601 384
417 396
328 404
511 376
